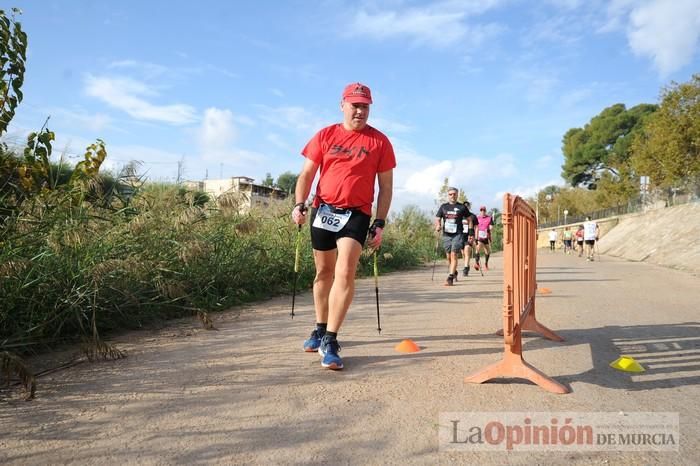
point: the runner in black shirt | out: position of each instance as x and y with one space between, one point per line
449 219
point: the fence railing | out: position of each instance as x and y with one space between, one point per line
519 289
636 205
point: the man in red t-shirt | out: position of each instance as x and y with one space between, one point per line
350 155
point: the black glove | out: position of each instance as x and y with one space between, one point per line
378 223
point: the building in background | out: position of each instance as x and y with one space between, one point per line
251 194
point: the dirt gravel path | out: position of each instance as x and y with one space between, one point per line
247 394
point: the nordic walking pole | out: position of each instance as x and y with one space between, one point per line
376 290
296 268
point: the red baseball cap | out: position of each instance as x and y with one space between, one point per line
357 93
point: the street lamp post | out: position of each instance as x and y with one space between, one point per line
566 212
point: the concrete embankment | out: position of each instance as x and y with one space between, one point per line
667 237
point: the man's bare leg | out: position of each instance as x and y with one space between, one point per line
343 289
325 265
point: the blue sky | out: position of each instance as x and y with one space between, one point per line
478 91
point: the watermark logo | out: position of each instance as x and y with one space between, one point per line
558 431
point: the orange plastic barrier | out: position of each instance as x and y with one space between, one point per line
519 289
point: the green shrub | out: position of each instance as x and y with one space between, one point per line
69 263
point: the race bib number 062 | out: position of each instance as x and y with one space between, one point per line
329 220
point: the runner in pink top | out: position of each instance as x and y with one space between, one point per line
483 237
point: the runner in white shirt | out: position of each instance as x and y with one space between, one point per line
591 232
552 240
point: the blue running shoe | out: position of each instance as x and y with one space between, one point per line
313 343
329 349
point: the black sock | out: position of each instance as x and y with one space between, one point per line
487 259
321 328
332 335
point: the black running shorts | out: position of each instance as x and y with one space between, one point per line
356 228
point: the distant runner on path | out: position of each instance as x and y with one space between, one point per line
591 231
567 240
483 237
351 156
552 240
579 240
469 239
449 219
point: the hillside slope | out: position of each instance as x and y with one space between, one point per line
668 237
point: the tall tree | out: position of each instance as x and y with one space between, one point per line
603 144
268 181
442 194
287 182
547 203
13 54
668 148
462 197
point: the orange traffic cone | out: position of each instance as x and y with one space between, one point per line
407 346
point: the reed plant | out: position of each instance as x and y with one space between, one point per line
69 266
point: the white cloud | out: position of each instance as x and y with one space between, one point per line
292 118
439 25
244 120
148 70
79 117
436 28
616 15
304 72
389 126
566 4
544 162
216 139
527 190
417 179
575 97
533 82
468 173
556 30
222 71
429 179
156 163
666 31
217 131
150 156
278 141
130 95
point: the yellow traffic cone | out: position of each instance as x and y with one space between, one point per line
627 364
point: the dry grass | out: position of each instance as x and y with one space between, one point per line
12 366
